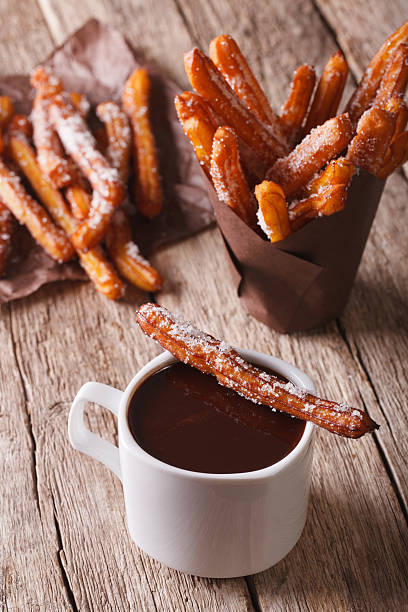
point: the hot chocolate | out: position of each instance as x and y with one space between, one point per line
186 419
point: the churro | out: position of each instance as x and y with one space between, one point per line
370 144
94 262
210 356
330 200
321 145
33 216
366 91
295 108
208 81
228 177
136 102
227 56
328 92
80 145
272 213
199 124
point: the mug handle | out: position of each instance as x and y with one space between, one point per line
81 437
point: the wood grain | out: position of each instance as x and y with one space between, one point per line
26 544
341 467
366 29
354 512
376 321
155 28
76 336
19 55
354 549
103 568
30 571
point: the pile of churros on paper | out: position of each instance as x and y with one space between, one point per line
280 171
69 185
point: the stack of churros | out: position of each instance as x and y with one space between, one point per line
279 171
69 185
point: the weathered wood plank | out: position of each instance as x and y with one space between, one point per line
342 520
104 570
387 242
70 486
24 36
361 29
155 28
344 530
376 321
97 340
30 574
375 324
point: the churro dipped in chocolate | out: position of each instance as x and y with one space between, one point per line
211 356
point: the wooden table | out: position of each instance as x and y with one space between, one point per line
64 538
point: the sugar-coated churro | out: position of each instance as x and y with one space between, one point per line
370 144
228 177
227 56
199 124
272 213
33 216
328 92
316 149
366 91
80 145
295 108
136 102
202 351
209 82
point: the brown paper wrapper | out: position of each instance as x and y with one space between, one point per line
305 280
97 60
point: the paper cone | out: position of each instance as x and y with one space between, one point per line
303 281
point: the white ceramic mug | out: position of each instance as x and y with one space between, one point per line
212 525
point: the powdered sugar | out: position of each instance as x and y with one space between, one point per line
222 356
82 105
262 223
118 132
211 356
323 143
132 250
101 211
80 144
231 110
